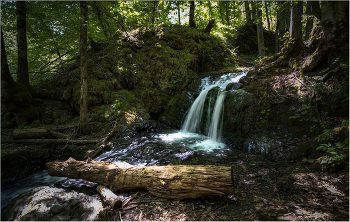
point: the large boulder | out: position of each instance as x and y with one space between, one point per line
49 203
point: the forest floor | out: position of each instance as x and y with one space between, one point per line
264 190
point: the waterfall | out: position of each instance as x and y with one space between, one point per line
194 116
217 118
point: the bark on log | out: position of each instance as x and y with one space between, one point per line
176 182
49 141
59 135
109 197
34 133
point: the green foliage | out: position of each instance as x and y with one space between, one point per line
173 83
6 132
307 114
265 114
102 110
337 154
345 122
5 152
51 31
24 126
258 60
121 103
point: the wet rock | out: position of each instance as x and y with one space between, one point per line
48 203
60 218
234 86
176 109
55 209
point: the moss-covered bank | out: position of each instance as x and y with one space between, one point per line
146 69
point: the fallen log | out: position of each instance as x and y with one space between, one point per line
59 135
109 197
176 182
33 133
49 141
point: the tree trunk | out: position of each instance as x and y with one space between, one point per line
295 30
176 182
288 15
316 9
209 26
154 9
310 20
259 27
227 14
191 18
15 97
83 69
253 11
282 24
267 16
22 61
178 12
247 12
276 31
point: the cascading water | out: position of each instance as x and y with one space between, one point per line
195 113
194 116
216 121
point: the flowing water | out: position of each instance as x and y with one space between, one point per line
162 148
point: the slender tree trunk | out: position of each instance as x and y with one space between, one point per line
83 68
253 4
276 31
295 30
227 14
155 3
282 24
310 20
316 9
288 15
247 12
191 19
178 12
267 16
261 45
222 13
22 68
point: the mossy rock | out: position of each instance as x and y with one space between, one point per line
176 109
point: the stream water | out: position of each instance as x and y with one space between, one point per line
161 148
